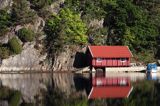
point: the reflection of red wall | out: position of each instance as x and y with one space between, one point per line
110 62
110 87
102 81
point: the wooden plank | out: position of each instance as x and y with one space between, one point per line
125 69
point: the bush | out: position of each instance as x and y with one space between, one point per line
21 13
15 99
66 28
4 52
15 46
26 35
39 4
4 22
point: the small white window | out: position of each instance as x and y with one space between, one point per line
123 59
99 60
99 82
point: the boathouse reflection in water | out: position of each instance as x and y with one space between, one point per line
109 86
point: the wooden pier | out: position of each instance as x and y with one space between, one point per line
126 69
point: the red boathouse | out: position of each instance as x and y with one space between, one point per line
109 56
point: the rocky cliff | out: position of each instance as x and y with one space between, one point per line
31 57
34 55
5 3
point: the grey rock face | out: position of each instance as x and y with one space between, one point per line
4 103
96 24
30 57
5 3
37 25
7 37
55 7
65 60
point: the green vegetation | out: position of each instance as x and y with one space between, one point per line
11 96
39 4
134 23
91 9
4 93
21 13
26 35
15 99
4 22
143 94
131 27
65 28
4 52
28 104
14 45
76 102
126 22
42 7
54 97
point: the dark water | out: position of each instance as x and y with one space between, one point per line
130 89
145 90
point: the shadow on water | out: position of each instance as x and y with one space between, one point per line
82 83
53 96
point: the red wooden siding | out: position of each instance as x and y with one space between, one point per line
111 62
109 56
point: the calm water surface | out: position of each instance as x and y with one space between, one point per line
130 89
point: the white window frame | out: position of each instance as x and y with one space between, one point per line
99 60
123 60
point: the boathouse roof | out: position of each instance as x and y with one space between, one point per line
110 51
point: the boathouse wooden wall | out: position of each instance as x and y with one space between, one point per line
110 62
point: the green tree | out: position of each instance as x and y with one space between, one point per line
26 35
65 28
15 46
128 38
39 4
90 9
5 22
21 12
130 25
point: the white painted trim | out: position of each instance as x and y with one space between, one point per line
90 93
90 51
93 70
99 60
123 60
129 92
130 51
